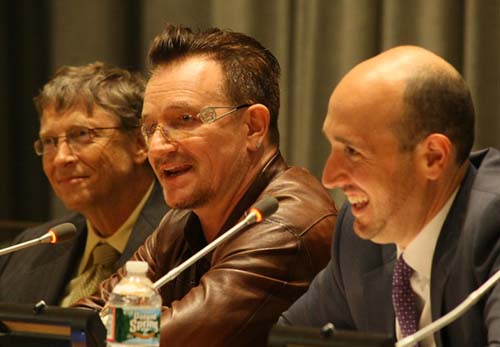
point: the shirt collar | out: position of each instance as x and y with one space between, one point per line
119 239
420 251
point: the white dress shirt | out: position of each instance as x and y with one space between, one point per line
418 255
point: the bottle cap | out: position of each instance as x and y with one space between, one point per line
136 266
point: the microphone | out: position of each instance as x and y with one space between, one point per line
458 311
59 233
256 214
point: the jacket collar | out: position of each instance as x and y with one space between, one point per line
377 289
272 168
447 244
193 233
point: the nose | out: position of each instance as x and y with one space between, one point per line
162 136
64 154
167 135
334 172
160 144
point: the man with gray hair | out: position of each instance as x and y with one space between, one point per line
95 159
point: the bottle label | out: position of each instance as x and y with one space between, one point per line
134 325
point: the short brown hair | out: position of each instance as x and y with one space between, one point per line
438 101
252 72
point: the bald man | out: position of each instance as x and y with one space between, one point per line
422 222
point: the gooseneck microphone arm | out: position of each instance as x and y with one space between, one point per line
56 234
22 245
256 214
458 311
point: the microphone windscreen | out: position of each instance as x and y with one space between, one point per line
62 232
267 206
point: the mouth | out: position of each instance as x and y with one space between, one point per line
358 203
71 179
175 170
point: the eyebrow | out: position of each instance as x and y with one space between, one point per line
174 107
49 132
342 140
336 138
347 142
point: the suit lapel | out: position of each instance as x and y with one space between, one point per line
377 288
61 262
58 272
446 246
149 218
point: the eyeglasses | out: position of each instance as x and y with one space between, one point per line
183 126
77 138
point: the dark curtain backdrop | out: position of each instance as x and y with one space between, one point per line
25 64
316 42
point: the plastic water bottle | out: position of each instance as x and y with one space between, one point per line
134 310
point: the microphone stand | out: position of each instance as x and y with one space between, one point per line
249 219
452 315
42 239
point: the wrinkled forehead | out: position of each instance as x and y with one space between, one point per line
77 115
191 84
373 94
359 108
61 110
206 74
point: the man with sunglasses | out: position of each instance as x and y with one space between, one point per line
210 118
95 158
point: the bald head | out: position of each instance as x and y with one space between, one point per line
422 94
400 63
401 127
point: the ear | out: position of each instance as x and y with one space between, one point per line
436 154
139 147
257 120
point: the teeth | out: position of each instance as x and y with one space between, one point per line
173 173
357 199
177 171
173 167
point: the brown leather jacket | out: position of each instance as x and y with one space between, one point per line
234 295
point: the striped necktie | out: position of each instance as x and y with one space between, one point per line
102 259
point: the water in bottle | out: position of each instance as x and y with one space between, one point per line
133 310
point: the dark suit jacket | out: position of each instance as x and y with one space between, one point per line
354 290
43 271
